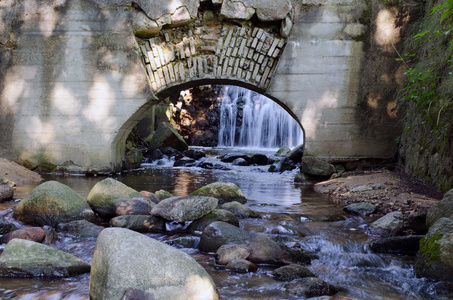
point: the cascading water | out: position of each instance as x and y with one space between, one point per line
251 120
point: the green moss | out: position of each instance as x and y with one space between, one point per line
46 167
430 249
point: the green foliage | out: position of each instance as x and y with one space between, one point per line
430 248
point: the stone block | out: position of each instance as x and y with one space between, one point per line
166 74
273 46
171 72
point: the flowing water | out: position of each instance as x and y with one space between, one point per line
293 210
252 120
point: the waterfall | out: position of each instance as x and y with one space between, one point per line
248 119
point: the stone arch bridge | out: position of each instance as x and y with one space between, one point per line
77 75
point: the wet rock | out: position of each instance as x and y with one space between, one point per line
104 195
6 227
187 208
298 254
184 242
195 154
136 206
276 166
259 159
51 234
223 191
219 233
416 223
227 253
400 245
211 166
362 209
161 195
239 210
216 215
240 162
35 234
185 162
263 250
300 177
389 225
81 228
316 167
156 154
296 154
443 208
435 258
166 136
6 192
23 258
150 196
122 256
291 272
230 157
287 165
283 151
51 203
241 266
137 294
139 223
310 287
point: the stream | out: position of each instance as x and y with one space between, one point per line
292 210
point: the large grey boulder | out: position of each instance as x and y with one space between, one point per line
140 223
219 233
443 208
123 258
23 258
216 215
435 258
183 209
51 203
223 191
389 225
6 192
166 136
316 167
105 194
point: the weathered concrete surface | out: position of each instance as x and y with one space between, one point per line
74 80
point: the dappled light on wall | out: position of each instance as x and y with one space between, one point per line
387 34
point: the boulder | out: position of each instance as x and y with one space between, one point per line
35 234
241 266
184 162
166 136
296 154
263 250
6 227
316 167
435 258
270 10
259 159
286 164
195 154
216 215
81 228
389 225
161 195
23 258
283 151
239 210
240 162
237 10
310 287
183 209
123 258
399 245
153 198
6 192
227 253
223 191
51 203
230 157
362 209
219 233
135 206
443 208
104 195
140 223
291 272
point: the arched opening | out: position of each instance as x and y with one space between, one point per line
209 115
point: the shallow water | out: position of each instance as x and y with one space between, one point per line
293 210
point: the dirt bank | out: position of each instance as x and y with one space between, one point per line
16 173
387 190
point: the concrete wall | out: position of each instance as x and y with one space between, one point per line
74 79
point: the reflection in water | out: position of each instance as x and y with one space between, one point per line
291 212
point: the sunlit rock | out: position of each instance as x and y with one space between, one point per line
105 194
227 253
223 191
238 10
239 210
123 258
23 258
135 206
216 215
51 203
162 194
35 234
143 26
166 136
187 208
271 10
389 225
241 266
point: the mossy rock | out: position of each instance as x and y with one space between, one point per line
51 203
223 191
166 136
